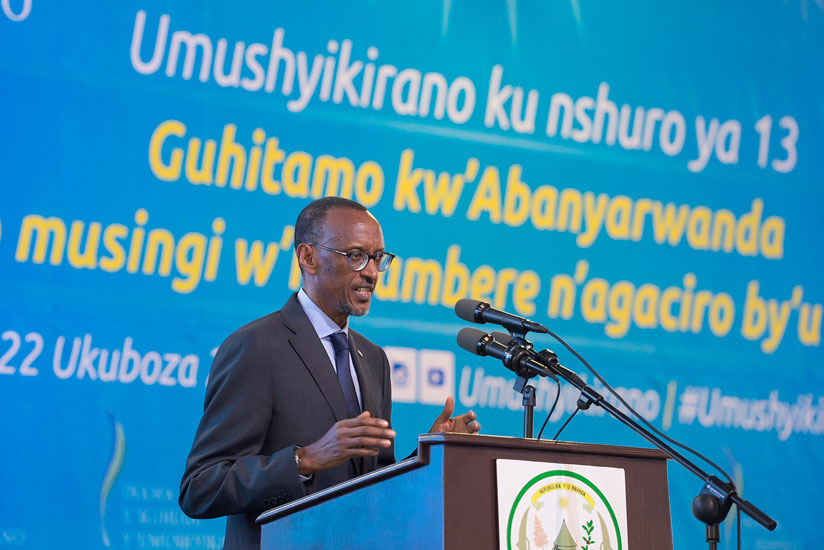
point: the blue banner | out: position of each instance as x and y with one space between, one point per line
643 179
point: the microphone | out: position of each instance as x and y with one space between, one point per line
550 357
476 311
514 356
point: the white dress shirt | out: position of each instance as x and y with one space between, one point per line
325 327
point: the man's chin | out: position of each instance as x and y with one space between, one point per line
349 309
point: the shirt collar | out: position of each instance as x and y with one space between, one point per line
322 323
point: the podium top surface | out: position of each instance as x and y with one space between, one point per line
503 442
481 443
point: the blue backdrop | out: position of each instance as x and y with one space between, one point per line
644 179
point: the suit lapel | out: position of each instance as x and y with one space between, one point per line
307 345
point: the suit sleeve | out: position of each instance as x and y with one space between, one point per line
225 472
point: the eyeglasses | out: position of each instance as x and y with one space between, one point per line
357 259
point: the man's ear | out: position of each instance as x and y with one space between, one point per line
307 258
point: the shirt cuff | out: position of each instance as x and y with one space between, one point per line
302 477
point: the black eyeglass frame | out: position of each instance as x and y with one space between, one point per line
377 257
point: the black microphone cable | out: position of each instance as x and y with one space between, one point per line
643 420
475 311
542 329
552 410
635 413
568 420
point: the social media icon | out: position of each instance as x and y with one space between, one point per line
437 376
404 373
400 374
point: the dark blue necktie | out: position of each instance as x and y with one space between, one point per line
341 344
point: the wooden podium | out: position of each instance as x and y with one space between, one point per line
445 497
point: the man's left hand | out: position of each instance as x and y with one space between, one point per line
464 424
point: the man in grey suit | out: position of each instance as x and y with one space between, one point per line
297 401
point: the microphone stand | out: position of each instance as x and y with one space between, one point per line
518 353
521 350
712 504
528 391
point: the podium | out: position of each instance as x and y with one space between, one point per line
445 497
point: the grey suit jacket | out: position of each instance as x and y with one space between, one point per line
272 387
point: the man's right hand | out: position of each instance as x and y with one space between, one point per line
350 438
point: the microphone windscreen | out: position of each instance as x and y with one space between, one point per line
468 339
465 309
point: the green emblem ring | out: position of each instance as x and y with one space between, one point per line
545 475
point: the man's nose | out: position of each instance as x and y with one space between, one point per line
370 270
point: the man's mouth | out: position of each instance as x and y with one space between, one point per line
364 292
